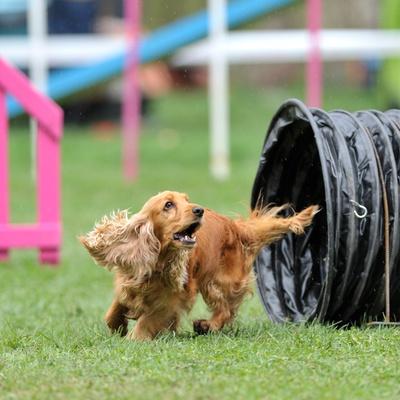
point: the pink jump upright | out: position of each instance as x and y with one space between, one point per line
131 95
314 66
45 234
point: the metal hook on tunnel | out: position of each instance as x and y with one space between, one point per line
361 207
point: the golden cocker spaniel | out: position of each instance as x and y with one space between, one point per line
171 250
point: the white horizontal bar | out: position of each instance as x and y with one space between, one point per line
241 47
293 46
62 50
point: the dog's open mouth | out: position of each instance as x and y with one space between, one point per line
186 236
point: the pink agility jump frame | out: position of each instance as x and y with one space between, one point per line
45 234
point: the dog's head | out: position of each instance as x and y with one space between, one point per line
167 222
174 219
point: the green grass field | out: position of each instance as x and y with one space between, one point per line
53 341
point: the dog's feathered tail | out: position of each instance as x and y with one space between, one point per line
265 226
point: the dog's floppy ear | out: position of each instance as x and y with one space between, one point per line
126 244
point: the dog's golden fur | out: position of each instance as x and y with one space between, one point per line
160 266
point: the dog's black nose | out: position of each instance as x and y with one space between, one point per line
198 211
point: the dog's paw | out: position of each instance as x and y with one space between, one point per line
201 326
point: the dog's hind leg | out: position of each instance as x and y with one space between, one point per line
115 318
218 303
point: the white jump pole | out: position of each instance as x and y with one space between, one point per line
37 30
38 65
218 90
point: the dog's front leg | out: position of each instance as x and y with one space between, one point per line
115 318
147 328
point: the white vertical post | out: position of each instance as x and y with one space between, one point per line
218 90
38 73
37 31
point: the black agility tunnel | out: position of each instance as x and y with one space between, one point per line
349 164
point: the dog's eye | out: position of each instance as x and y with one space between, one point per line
168 205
